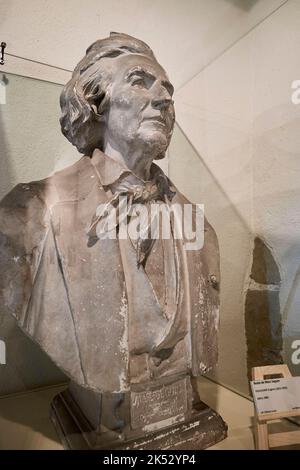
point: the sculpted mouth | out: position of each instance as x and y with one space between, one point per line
156 119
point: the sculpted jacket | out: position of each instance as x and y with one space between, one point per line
106 321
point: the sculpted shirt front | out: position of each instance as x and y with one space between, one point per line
105 318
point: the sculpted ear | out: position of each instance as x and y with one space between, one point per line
99 105
96 115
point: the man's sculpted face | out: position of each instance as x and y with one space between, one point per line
141 111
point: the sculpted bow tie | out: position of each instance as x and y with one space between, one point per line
149 191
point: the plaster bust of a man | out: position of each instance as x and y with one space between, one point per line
117 315
122 106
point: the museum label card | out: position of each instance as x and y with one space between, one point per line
276 395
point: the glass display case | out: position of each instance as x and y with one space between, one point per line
259 271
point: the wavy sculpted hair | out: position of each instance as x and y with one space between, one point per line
85 97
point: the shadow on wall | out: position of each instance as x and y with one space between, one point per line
262 310
245 5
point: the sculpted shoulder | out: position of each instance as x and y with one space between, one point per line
22 228
23 205
22 194
27 202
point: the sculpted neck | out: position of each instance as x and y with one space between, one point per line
136 160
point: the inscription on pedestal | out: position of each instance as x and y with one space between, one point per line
153 406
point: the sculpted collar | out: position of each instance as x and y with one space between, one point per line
113 174
108 169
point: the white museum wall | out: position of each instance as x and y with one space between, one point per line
276 156
185 35
214 110
240 118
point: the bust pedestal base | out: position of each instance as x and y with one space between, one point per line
203 428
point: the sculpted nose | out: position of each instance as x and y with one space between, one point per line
162 99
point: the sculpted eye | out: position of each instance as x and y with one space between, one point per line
139 82
140 79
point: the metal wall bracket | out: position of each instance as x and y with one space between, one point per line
3 46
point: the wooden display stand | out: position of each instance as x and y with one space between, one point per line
264 440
